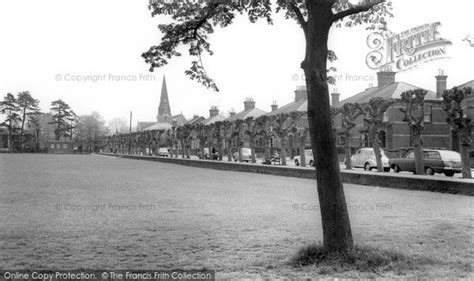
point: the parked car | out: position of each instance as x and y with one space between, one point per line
213 156
246 155
308 155
163 152
4 150
274 159
436 161
203 154
365 158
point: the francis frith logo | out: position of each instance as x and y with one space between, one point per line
407 49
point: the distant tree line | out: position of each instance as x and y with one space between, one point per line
29 129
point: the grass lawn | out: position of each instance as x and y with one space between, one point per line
98 212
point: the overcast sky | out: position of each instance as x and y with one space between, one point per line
45 43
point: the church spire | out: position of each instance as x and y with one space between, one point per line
164 110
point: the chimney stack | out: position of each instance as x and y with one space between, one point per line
441 83
214 111
274 106
232 113
249 104
385 78
300 93
335 97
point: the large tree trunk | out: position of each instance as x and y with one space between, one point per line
209 147
418 150
229 151
302 150
267 147
37 144
334 215
219 144
465 145
376 146
252 149
183 146
187 149
22 131
291 145
201 147
229 154
58 133
283 150
176 151
239 147
10 137
348 152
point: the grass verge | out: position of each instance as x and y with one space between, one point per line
362 259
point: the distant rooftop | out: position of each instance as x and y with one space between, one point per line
390 91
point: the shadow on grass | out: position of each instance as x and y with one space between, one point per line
361 259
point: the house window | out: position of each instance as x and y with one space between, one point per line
428 113
383 139
341 140
365 140
64 145
52 145
385 116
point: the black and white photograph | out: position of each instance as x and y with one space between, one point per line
236 140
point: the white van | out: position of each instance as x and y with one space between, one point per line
308 154
246 155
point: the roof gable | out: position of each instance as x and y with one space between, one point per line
214 119
391 91
158 127
296 106
196 120
144 125
180 119
255 113
467 84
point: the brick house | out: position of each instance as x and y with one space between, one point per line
249 111
300 104
395 133
468 109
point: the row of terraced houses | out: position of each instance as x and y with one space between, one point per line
395 133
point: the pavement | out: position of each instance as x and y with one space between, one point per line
291 164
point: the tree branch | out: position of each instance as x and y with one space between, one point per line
357 9
299 16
